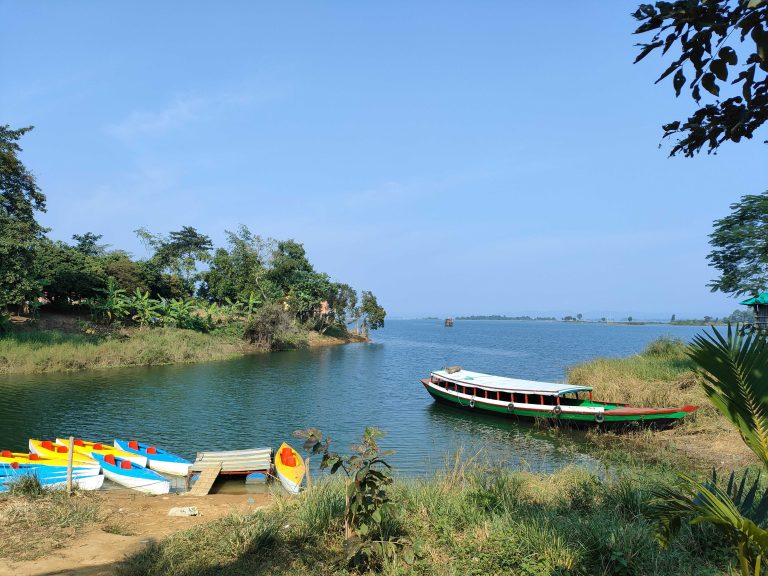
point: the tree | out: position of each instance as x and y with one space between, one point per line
629 319
68 274
371 313
179 252
242 269
709 36
20 198
740 247
88 244
672 320
289 262
579 316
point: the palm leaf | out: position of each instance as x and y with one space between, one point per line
735 371
696 503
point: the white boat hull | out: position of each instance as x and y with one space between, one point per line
288 484
141 484
172 468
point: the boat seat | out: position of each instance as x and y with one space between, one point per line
110 459
34 456
125 465
79 442
98 446
6 454
151 450
62 449
133 445
47 444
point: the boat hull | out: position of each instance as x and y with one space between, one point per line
619 417
161 461
53 478
136 477
290 476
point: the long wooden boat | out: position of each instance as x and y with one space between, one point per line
290 468
157 459
531 399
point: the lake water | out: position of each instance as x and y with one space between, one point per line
261 399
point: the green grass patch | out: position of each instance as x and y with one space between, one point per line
470 521
33 526
53 351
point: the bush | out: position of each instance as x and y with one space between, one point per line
273 328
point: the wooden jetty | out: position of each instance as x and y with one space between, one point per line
209 465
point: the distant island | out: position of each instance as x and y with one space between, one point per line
500 317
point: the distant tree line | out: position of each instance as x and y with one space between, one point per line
501 317
185 282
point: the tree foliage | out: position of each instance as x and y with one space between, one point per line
740 247
20 198
722 48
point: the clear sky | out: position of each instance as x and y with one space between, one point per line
452 157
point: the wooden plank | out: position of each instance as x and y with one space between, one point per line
204 484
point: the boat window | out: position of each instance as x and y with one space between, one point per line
549 400
518 398
506 397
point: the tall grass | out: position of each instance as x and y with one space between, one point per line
35 523
482 521
52 351
662 375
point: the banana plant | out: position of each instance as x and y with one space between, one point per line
115 304
179 313
146 309
734 371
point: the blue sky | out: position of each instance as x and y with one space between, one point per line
453 157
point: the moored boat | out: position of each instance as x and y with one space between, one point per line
290 468
92 448
157 459
34 459
49 449
51 477
531 399
131 475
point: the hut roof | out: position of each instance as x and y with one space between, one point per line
761 299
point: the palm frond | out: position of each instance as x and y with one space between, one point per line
695 502
735 371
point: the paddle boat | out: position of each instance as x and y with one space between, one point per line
157 459
93 448
51 477
290 468
131 475
49 449
33 459
531 399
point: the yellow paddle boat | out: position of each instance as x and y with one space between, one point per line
49 449
290 468
90 448
33 459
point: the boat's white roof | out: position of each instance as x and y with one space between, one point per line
490 382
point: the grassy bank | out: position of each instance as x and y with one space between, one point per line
55 351
663 375
31 351
476 523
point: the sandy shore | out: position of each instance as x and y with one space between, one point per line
140 520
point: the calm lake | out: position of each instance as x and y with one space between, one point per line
259 400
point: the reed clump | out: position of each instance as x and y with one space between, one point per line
473 520
662 375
